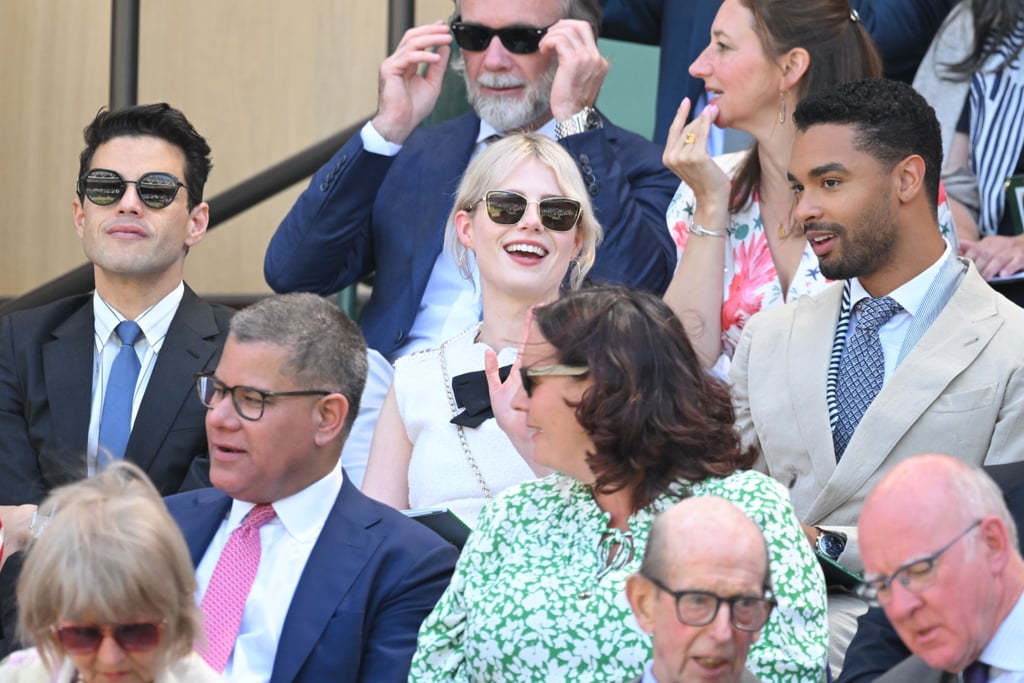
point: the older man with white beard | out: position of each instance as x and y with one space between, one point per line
380 205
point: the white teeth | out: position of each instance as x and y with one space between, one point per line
819 240
526 249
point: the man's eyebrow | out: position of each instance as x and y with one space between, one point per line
790 177
824 169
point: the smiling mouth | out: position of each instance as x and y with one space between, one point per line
528 250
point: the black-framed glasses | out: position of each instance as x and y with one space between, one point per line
519 40
527 375
914 576
699 608
84 639
506 207
249 402
102 186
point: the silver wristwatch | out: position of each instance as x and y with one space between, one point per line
582 121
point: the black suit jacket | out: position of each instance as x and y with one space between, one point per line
46 369
876 648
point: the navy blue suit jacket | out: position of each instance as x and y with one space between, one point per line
682 28
371 579
366 213
46 368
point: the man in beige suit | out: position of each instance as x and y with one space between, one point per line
948 372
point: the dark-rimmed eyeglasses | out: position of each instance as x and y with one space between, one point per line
84 639
249 402
914 576
699 608
506 207
527 375
519 40
102 186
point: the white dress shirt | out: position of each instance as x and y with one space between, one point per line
286 543
154 323
1003 653
909 295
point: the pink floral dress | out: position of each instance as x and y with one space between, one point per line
751 282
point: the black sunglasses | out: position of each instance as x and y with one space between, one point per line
140 636
104 187
519 40
505 207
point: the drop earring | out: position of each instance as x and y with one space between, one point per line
782 107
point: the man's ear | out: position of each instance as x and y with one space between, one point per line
330 418
909 177
198 220
642 596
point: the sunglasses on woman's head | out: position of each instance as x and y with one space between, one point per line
84 639
519 40
505 207
104 187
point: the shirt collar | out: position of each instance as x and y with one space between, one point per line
154 321
487 130
910 294
302 514
1004 651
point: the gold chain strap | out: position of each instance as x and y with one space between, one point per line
462 433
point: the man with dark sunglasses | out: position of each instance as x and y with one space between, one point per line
380 205
941 558
108 375
704 597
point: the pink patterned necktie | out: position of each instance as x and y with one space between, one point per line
229 587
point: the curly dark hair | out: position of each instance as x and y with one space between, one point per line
654 416
892 120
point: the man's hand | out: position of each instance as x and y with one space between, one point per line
581 68
405 97
995 256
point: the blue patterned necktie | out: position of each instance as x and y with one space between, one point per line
116 420
862 368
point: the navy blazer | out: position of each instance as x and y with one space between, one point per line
682 28
371 579
366 213
46 367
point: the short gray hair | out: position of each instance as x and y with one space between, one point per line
112 553
325 348
979 497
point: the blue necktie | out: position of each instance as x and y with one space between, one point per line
116 420
976 673
862 368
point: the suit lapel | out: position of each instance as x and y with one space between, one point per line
809 351
341 552
68 361
961 331
200 517
188 347
454 144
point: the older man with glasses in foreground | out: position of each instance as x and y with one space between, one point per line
704 597
941 557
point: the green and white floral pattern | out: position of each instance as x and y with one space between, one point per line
525 603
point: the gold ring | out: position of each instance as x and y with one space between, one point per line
690 138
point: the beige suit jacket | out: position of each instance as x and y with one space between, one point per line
960 391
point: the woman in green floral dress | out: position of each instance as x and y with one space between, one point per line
610 395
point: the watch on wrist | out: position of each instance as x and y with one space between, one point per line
580 122
830 543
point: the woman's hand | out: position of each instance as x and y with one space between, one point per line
686 155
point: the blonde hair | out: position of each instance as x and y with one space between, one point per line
110 553
495 164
